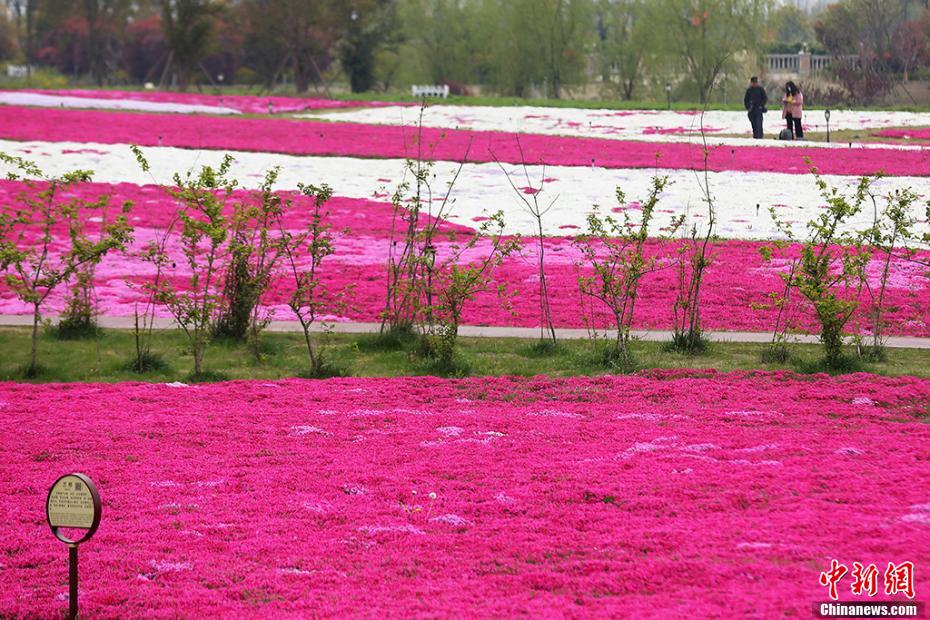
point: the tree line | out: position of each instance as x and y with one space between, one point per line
631 49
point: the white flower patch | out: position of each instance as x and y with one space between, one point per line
749 414
453 520
391 529
646 125
307 430
920 513
40 100
742 199
552 413
849 451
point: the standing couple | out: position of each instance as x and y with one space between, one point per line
792 108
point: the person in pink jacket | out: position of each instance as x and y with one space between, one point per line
793 106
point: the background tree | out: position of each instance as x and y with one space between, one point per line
444 40
144 49
106 21
709 36
624 43
559 28
364 26
189 30
910 46
790 28
294 35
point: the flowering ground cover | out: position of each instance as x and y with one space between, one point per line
384 141
653 125
916 133
667 494
167 101
742 202
738 280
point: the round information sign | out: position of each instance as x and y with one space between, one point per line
73 502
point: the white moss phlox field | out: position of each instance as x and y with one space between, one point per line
647 125
483 188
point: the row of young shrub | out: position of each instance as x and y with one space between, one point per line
235 244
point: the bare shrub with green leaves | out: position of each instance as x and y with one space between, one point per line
891 233
831 271
155 253
79 317
252 255
204 230
32 266
418 212
529 198
304 253
692 261
457 278
614 253
781 301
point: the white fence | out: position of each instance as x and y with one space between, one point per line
17 71
801 64
430 91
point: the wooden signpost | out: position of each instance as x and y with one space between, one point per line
73 502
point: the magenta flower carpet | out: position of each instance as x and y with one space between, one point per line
736 297
666 494
304 137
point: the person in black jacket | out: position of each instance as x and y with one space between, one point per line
755 101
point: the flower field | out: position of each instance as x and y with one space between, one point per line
366 141
667 494
740 280
649 125
660 493
160 101
361 157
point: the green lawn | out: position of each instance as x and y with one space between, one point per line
104 358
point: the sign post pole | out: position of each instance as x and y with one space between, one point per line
72 582
73 503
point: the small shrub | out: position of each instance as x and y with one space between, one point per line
833 365
545 348
72 328
874 353
32 371
688 343
621 360
206 376
397 338
775 353
440 365
324 369
146 362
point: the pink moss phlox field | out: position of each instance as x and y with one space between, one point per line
737 279
671 494
909 133
382 141
248 104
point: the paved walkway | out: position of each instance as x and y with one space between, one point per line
477 331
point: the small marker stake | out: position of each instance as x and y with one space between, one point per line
73 502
